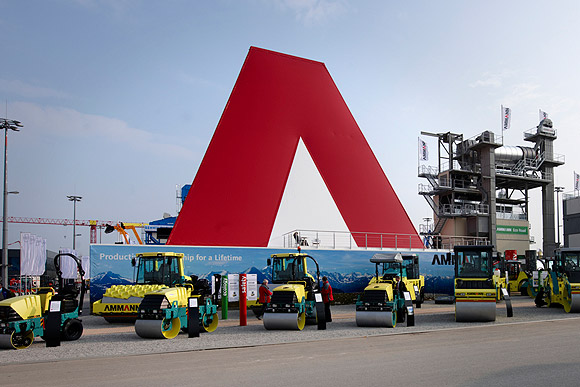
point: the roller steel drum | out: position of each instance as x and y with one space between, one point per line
16 341
208 326
158 329
471 311
574 304
376 319
287 321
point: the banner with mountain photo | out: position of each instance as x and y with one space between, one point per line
348 271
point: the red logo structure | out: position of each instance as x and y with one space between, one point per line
236 193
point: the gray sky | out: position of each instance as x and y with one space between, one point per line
119 98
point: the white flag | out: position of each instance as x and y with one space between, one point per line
543 115
423 150
506 117
576 181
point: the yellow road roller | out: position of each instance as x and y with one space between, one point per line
293 303
380 304
163 313
155 271
476 288
22 318
561 286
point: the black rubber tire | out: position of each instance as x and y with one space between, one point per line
71 330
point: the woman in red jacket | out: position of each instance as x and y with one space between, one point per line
265 294
326 297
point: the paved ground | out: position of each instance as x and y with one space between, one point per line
437 350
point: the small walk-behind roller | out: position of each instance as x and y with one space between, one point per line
22 318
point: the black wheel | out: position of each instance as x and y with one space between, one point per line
419 300
72 330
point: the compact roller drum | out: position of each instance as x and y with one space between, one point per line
286 321
16 341
376 319
158 329
470 311
574 304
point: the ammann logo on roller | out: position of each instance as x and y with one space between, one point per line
122 308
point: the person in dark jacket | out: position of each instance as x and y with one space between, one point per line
265 294
326 297
400 286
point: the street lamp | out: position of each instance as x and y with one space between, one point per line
74 199
558 190
12 125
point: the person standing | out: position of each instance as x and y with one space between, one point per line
400 286
265 294
326 297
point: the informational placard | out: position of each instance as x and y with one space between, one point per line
252 287
193 302
54 306
234 284
318 297
233 287
535 279
504 292
407 296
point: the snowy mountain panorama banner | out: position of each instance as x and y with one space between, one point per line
348 271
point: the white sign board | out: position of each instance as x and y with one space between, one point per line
193 302
54 306
252 287
233 287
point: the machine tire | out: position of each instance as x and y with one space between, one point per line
419 300
71 330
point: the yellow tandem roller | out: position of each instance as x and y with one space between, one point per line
476 289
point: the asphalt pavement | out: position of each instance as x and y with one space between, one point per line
538 346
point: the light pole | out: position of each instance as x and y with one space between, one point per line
12 125
74 199
558 190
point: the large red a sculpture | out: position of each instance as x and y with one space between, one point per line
236 193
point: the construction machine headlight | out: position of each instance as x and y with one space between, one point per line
274 305
489 294
154 311
461 294
288 305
